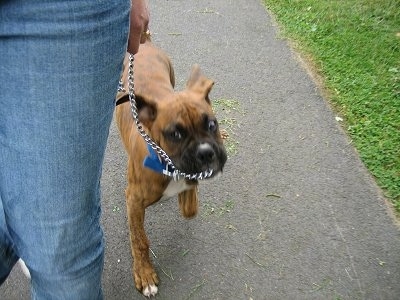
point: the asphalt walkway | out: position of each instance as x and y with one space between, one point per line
296 214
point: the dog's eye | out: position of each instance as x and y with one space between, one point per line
176 135
212 126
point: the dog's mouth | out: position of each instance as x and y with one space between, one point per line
205 158
200 172
211 175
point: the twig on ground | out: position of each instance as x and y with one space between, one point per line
256 262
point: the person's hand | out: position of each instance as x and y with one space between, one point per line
138 24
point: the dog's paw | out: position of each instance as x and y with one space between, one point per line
150 290
146 281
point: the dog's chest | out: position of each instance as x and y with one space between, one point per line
174 188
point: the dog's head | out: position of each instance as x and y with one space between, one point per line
185 126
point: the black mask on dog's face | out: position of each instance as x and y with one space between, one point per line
185 127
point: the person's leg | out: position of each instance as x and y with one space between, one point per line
59 70
8 257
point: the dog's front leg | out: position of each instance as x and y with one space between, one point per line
189 203
146 279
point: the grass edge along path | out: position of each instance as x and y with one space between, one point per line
354 46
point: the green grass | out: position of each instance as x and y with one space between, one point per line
225 110
354 45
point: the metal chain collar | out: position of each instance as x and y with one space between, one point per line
176 174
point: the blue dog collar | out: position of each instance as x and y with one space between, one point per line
154 162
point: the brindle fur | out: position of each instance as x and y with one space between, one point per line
160 106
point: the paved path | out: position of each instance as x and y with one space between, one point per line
329 234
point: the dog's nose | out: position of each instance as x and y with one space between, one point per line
205 154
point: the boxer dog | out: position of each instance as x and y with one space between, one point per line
184 126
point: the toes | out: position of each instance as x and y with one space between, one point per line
146 282
150 290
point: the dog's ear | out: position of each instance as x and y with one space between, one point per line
199 83
147 111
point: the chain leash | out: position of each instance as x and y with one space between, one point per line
175 174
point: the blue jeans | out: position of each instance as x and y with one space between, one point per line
60 63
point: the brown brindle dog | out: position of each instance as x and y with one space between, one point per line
184 126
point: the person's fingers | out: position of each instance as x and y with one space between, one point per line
139 21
